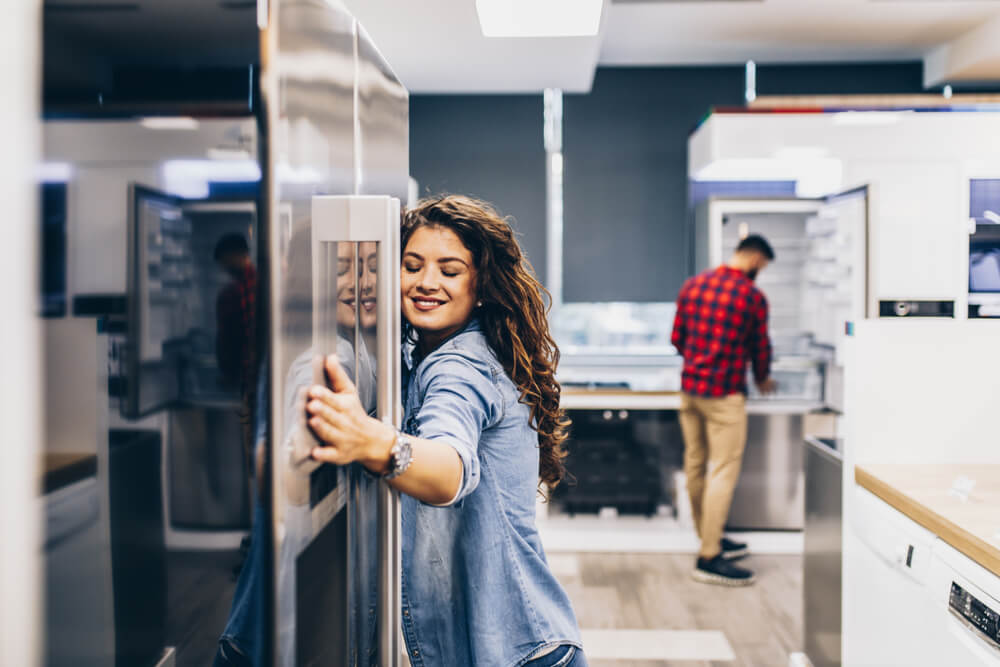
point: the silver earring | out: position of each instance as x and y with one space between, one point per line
479 304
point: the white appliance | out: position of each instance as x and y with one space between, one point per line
892 609
917 601
966 598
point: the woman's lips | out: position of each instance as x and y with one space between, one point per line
424 304
368 304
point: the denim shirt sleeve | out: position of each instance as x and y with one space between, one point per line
460 401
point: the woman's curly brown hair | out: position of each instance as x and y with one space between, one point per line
513 314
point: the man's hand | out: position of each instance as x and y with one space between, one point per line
768 386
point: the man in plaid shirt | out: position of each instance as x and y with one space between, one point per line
236 332
720 326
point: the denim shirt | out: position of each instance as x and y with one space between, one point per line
477 589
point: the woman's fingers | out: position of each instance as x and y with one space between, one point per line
339 402
327 455
330 413
340 382
326 431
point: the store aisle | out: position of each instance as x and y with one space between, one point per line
647 607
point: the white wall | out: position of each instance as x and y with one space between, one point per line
19 348
923 391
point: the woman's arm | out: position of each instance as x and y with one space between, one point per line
337 418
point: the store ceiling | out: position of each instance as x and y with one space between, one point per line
436 45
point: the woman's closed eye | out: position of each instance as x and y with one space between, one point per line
451 268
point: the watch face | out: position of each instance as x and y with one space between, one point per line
399 456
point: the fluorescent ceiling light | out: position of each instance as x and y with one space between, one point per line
539 18
54 172
191 178
169 123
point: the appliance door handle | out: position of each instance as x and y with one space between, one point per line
360 219
971 639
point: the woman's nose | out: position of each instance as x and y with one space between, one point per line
368 280
427 281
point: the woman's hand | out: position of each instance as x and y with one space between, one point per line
348 434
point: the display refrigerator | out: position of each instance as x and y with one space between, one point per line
817 284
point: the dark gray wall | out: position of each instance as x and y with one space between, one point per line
486 146
625 179
627 234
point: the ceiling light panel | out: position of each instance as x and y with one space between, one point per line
539 18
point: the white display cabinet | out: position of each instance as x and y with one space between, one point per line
918 167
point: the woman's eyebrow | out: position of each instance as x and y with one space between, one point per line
452 259
410 253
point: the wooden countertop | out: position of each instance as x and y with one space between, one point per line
922 492
63 469
614 398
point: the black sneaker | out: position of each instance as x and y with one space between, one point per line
720 571
733 550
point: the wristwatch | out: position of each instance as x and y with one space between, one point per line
400 456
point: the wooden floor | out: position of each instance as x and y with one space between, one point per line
763 623
200 591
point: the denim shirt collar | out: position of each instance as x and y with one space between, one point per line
410 347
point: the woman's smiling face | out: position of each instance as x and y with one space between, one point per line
438 284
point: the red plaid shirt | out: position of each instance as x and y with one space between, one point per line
721 322
236 337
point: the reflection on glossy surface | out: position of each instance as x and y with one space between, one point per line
321 141
177 479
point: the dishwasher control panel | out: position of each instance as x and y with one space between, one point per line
975 613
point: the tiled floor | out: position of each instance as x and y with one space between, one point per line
686 623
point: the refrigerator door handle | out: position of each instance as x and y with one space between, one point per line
358 219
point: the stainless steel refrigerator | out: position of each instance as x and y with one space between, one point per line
334 168
322 149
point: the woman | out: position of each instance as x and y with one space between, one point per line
481 425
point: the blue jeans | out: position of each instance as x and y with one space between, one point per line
241 643
564 656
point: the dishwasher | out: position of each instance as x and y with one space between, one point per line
967 600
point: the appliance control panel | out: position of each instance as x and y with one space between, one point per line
916 309
975 613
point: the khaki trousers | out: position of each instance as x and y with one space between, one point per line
715 435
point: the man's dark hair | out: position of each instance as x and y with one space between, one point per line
231 243
756 243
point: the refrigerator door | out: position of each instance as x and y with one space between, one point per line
159 294
838 286
837 266
335 118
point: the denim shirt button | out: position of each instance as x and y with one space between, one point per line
416 653
406 612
